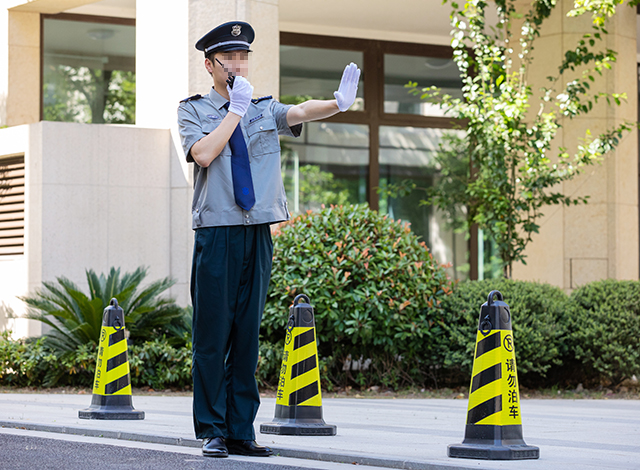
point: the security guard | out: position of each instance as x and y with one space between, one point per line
238 193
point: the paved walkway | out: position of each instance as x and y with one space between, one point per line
393 433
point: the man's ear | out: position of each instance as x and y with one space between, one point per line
208 64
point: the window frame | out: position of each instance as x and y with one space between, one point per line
373 70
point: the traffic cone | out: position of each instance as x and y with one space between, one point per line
494 425
299 400
112 383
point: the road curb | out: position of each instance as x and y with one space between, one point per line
336 457
126 436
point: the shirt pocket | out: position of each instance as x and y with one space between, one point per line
263 137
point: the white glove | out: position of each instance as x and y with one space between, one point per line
240 96
346 94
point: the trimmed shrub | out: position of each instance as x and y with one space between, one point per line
376 290
535 308
594 332
32 363
159 365
602 327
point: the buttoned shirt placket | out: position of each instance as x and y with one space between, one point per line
219 103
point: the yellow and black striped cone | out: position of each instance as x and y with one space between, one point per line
112 383
494 425
299 400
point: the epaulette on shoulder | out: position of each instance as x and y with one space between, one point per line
262 98
191 98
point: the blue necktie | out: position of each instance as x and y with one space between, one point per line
241 170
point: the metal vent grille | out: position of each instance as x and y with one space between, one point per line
12 206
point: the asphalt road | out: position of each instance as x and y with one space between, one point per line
31 452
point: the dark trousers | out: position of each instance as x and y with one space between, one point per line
229 281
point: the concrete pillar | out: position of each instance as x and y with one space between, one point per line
22 98
263 17
265 59
4 64
599 240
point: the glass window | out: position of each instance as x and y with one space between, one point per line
327 164
309 72
426 71
88 72
489 262
410 154
330 162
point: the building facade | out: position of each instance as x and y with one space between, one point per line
94 176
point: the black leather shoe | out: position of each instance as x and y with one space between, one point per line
214 447
250 448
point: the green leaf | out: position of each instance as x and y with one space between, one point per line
76 319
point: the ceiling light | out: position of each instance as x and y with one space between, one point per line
437 63
101 34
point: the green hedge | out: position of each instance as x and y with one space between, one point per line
589 337
536 310
375 288
382 302
31 363
602 327
159 365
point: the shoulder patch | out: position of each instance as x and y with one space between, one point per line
262 98
194 97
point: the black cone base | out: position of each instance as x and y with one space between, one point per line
298 428
299 421
493 452
489 442
116 407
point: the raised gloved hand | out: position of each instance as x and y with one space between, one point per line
240 96
346 94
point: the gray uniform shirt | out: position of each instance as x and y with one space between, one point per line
214 204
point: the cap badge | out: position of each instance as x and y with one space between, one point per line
236 30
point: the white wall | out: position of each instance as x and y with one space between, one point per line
105 198
161 61
98 196
14 278
13 281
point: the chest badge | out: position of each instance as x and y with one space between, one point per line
213 117
255 118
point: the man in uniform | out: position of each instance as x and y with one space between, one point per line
238 194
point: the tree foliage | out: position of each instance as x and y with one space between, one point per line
514 170
600 9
